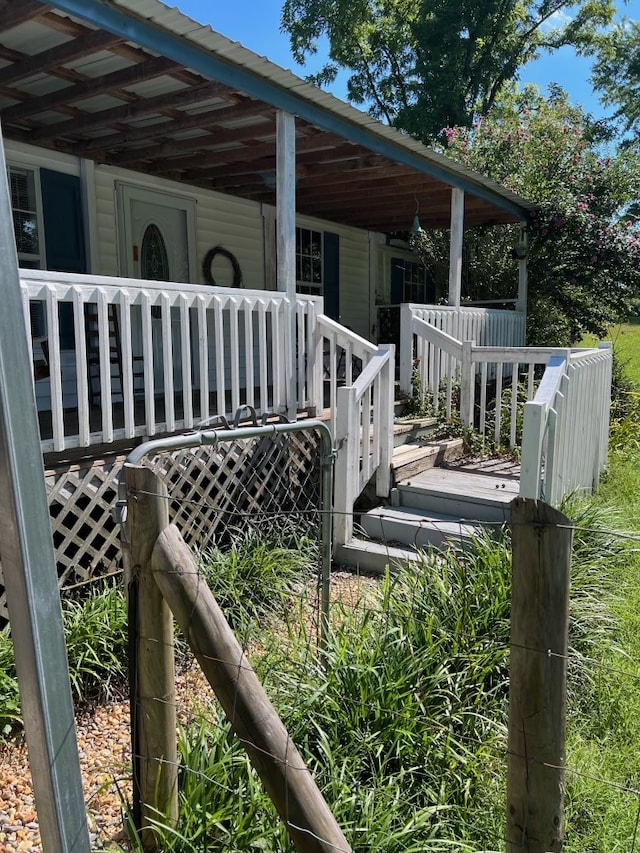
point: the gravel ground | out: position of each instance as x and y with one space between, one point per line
105 758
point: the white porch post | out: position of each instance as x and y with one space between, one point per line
523 246
455 246
286 240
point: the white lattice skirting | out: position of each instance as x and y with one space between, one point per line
212 490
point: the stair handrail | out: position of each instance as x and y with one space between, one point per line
363 438
566 425
412 325
336 348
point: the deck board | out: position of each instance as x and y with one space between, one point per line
495 479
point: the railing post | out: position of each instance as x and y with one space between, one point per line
467 385
346 471
383 474
153 692
533 427
406 348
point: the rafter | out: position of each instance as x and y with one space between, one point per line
92 40
136 109
13 13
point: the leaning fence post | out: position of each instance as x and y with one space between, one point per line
152 688
542 540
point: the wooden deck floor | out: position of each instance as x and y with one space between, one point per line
494 479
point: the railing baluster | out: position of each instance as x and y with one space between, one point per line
264 372
148 365
234 354
185 352
498 423
167 364
55 368
483 397
203 355
82 381
220 354
249 356
514 405
126 350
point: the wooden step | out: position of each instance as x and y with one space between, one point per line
412 458
365 555
458 492
412 430
417 528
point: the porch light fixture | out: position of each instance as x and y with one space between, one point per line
416 228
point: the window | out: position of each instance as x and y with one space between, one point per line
414 285
27 217
309 261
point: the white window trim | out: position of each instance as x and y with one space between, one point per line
41 257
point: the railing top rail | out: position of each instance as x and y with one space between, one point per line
512 355
550 382
478 309
445 341
381 357
343 334
35 280
583 354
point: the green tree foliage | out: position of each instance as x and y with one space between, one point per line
584 255
616 73
422 65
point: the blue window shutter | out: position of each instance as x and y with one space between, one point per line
397 280
331 269
64 235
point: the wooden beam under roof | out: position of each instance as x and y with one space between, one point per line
39 63
246 109
133 110
340 157
205 158
172 147
14 13
155 67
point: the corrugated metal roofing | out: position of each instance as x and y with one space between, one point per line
138 84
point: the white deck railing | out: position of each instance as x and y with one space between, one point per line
486 326
566 426
152 357
485 386
364 438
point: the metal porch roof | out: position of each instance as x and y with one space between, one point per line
136 84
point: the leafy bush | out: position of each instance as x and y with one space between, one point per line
257 574
97 651
97 644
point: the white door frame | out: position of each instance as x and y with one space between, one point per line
125 194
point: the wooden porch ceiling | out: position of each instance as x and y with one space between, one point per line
72 86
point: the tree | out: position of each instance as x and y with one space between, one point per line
584 255
616 73
422 65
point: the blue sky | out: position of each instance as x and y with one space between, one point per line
256 24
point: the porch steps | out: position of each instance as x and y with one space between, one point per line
441 507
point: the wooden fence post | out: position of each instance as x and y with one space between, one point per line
542 540
288 782
152 691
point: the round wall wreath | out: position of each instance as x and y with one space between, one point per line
225 253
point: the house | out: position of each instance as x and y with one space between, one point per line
199 229
143 145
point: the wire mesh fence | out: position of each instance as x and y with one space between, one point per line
402 719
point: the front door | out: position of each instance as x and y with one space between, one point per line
157 235
157 239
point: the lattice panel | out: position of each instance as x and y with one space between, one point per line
235 484
214 490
